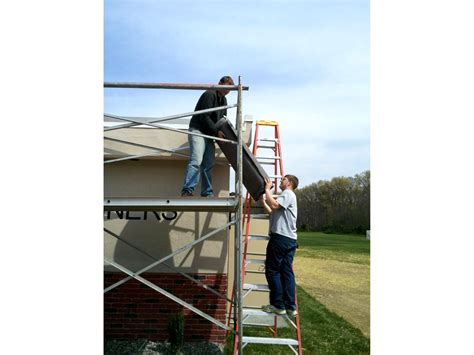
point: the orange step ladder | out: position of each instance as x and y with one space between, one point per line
254 316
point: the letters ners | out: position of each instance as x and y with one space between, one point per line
141 215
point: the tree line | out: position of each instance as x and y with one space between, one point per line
341 205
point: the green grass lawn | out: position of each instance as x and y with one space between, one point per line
335 270
333 277
338 247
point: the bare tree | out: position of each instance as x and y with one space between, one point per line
339 205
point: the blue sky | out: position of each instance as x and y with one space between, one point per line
307 64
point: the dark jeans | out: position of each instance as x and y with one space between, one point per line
279 271
200 164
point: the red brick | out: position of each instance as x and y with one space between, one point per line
137 307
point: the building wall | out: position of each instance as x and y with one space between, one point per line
161 233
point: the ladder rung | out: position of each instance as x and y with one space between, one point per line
274 176
256 261
267 324
266 123
273 158
267 163
252 307
255 287
255 272
267 140
263 340
259 216
265 146
256 254
259 318
259 312
281 323
258 237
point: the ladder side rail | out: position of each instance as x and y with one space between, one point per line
275 150
279 152
275 327
298 329
255 140
236 339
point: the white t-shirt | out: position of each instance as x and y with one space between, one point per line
283 219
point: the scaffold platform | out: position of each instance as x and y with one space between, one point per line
217 204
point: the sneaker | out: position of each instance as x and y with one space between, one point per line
292 312
186 194
272 309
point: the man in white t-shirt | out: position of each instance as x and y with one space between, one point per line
282 246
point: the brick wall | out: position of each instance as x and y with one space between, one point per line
135 311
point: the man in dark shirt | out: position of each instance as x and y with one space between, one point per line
203 149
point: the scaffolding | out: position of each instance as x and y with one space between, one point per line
232 205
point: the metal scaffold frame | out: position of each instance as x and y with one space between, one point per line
232 204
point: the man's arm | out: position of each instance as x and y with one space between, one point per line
265 205
270 201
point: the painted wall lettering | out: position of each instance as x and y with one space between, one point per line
141 215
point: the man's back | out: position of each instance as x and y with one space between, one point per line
206 122
283 219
